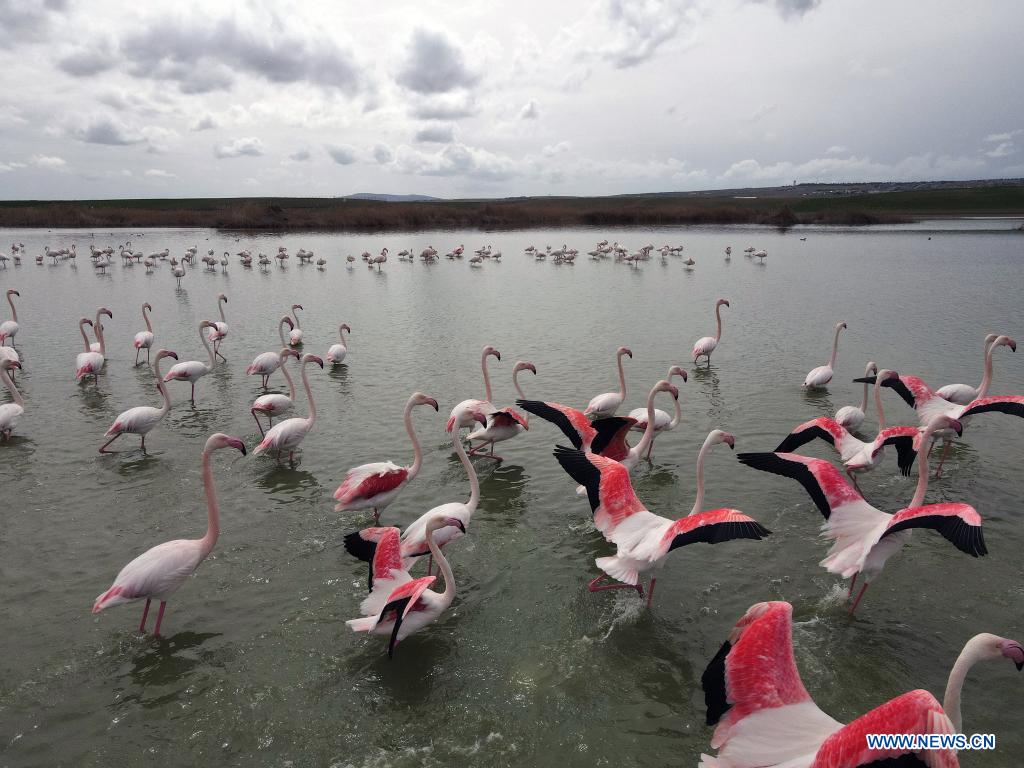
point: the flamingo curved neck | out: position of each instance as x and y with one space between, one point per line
145 316
968 657
922 469
85 338
341 333
515 383
288 378
163 390
835 349
417 452
622 379
718 316
864 400
309 396
474 483
14 311
98 329
698 503
7 382
295 314
280 332
446 570
648 435
212 511
878 403
487 378
220 306
677 416
209 349
986 380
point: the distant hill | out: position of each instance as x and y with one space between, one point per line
391 198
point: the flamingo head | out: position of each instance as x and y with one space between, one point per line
222 297
105 311
344 327
207 324
872 369
286 352
84 321
664 386
489 350
443 521
522 365
309 358
718 436
624 351
722 302
7 363
12 292
148 306
1013 651
418 398
1005 341
220 440
288 321
675 370
841 325
166 353
296 306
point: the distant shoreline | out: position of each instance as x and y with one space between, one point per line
775 209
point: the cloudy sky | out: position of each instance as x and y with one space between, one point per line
486 98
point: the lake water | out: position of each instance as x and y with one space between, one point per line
257 667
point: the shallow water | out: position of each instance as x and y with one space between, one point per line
527 668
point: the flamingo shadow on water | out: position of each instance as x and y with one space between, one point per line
158 661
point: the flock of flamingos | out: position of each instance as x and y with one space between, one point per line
752 688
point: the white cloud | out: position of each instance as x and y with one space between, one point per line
107 130
157 173
48 161
434 64
342 154
382 154
1007 136
249 145
530 111
300 156
1002 149
437 133
837 149
205 123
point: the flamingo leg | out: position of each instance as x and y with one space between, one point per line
650 592
860 594
595 585
193 398
649 449
853 583
253 412
159 618
147 356
143 443
945 453
137 350
103 448
376 517
145 613
430 564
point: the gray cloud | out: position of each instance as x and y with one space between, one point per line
205 123
85 63
640 27
434 65
342 154
302 156
199 54
449 107
249 145
27 20
795 7
438 134
382 154
530 111
104 130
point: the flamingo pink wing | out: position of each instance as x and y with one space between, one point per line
411 590
823 482
958 523
1011 404
711 527
913 712
381 483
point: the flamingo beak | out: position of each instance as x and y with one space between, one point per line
15 364
234 442
431 402
318 361
730 441
674 390
1012 650
1012 345
683 376
454 521
957 427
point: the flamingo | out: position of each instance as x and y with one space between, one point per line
466 413
822 375
606 437
90 362
962 394
378 260
766 718
9 328
643 539
266 363
928 404
866 537
505 423
178 271
608 403
295 334
706 345
858 455
10 412
144 339
219 331
275 404
761 255
336 354
850 416
193 370
142 419
662 421
288 434
158 573
398 604
376 485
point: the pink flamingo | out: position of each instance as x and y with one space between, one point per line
336 354
266 363
866 537
98 346
193 370
468 412
822 375
643 539
158 573
607 404
295 334
928 404
219 331
606 437
10 413
414 539
144 339
962 394
9 328
288 434
766 718
850 416
505 423
398 604
90 363
378 260
376 485
706 345
662 421
276 404
858 455
142 419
